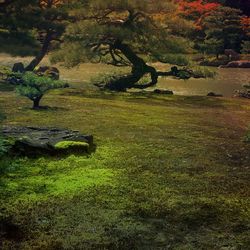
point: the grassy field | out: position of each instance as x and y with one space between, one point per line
168 173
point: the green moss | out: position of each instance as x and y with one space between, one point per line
38 179
167 171
72 145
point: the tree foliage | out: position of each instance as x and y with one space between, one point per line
126 33
222 28
34 87
196 10
36 23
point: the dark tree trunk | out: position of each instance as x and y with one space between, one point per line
139 69
42 53
36 102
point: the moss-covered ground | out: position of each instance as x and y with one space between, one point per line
168 173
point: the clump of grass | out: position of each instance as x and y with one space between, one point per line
4 146
203 72
4 71
105 79
247 137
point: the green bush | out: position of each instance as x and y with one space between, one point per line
105 79
247 137
176 59
34 86
4 71
245 47
4 146
204 72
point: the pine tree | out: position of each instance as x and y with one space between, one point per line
125 33
34 87
38 23
222 28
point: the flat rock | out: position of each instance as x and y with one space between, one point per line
212 94
237 64
32 141
242 94
163 92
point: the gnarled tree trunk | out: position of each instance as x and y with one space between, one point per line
139 69
41 54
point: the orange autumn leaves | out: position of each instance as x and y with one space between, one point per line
245 23
198 9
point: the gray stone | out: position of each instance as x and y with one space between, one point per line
18 67
237 64
51 72
212 94
34 141
242 94
163 92
232 55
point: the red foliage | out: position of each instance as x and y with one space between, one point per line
197 6
245 23
196 9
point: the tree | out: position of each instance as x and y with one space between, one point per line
34 87
245 47
126 33
243 5
245 24
222 28
196 10
35 20
50 18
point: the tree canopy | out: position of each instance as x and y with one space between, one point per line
34 87
126 33
222 30
122 33
37 24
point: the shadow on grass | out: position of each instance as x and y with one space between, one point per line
44 109
6 87
145 96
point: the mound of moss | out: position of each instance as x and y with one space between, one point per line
72 146
32 141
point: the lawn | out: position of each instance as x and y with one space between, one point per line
169 172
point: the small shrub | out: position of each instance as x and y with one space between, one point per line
176 59
4 71
4 146
247 137
105 79
245 47
34 87
3 142
204 72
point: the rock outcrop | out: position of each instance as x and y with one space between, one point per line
212 94
163 92
32 141
18 68
51 72
237 64
242 94
232 55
